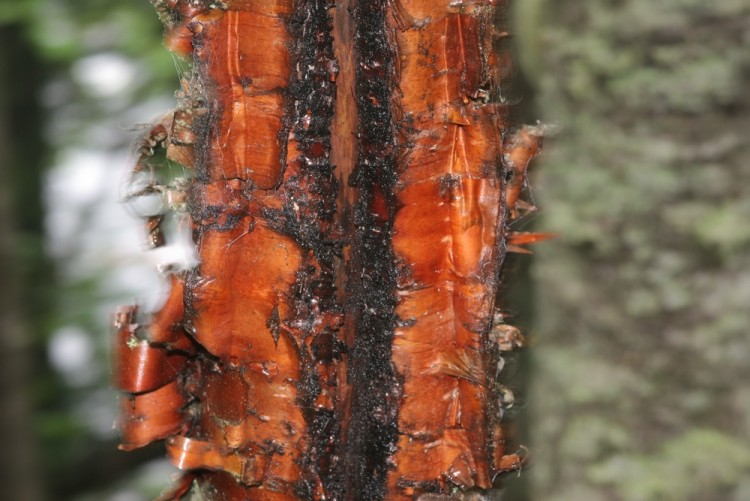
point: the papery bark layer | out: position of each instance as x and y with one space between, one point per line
353 177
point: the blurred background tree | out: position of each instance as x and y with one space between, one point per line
639 310
23 264
76 77
640 359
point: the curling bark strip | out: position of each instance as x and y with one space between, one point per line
353 179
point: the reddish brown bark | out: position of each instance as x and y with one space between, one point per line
354 177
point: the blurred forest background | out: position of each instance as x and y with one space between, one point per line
636 383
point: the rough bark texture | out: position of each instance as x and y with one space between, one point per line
353 166
643 316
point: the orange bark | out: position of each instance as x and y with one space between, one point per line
447 234
246 268
354 178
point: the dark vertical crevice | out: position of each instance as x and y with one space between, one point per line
376 389
308 216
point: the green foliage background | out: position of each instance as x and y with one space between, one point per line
49 112
639 314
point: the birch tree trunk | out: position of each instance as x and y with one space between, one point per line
353 178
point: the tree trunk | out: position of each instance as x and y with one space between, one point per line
354 176
648 178
20 225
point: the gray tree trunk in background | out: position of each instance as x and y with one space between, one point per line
641 355
19 476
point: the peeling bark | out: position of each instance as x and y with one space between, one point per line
354 174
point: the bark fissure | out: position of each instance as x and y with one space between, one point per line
376 389
307 216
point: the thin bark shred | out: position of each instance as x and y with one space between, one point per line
353 179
